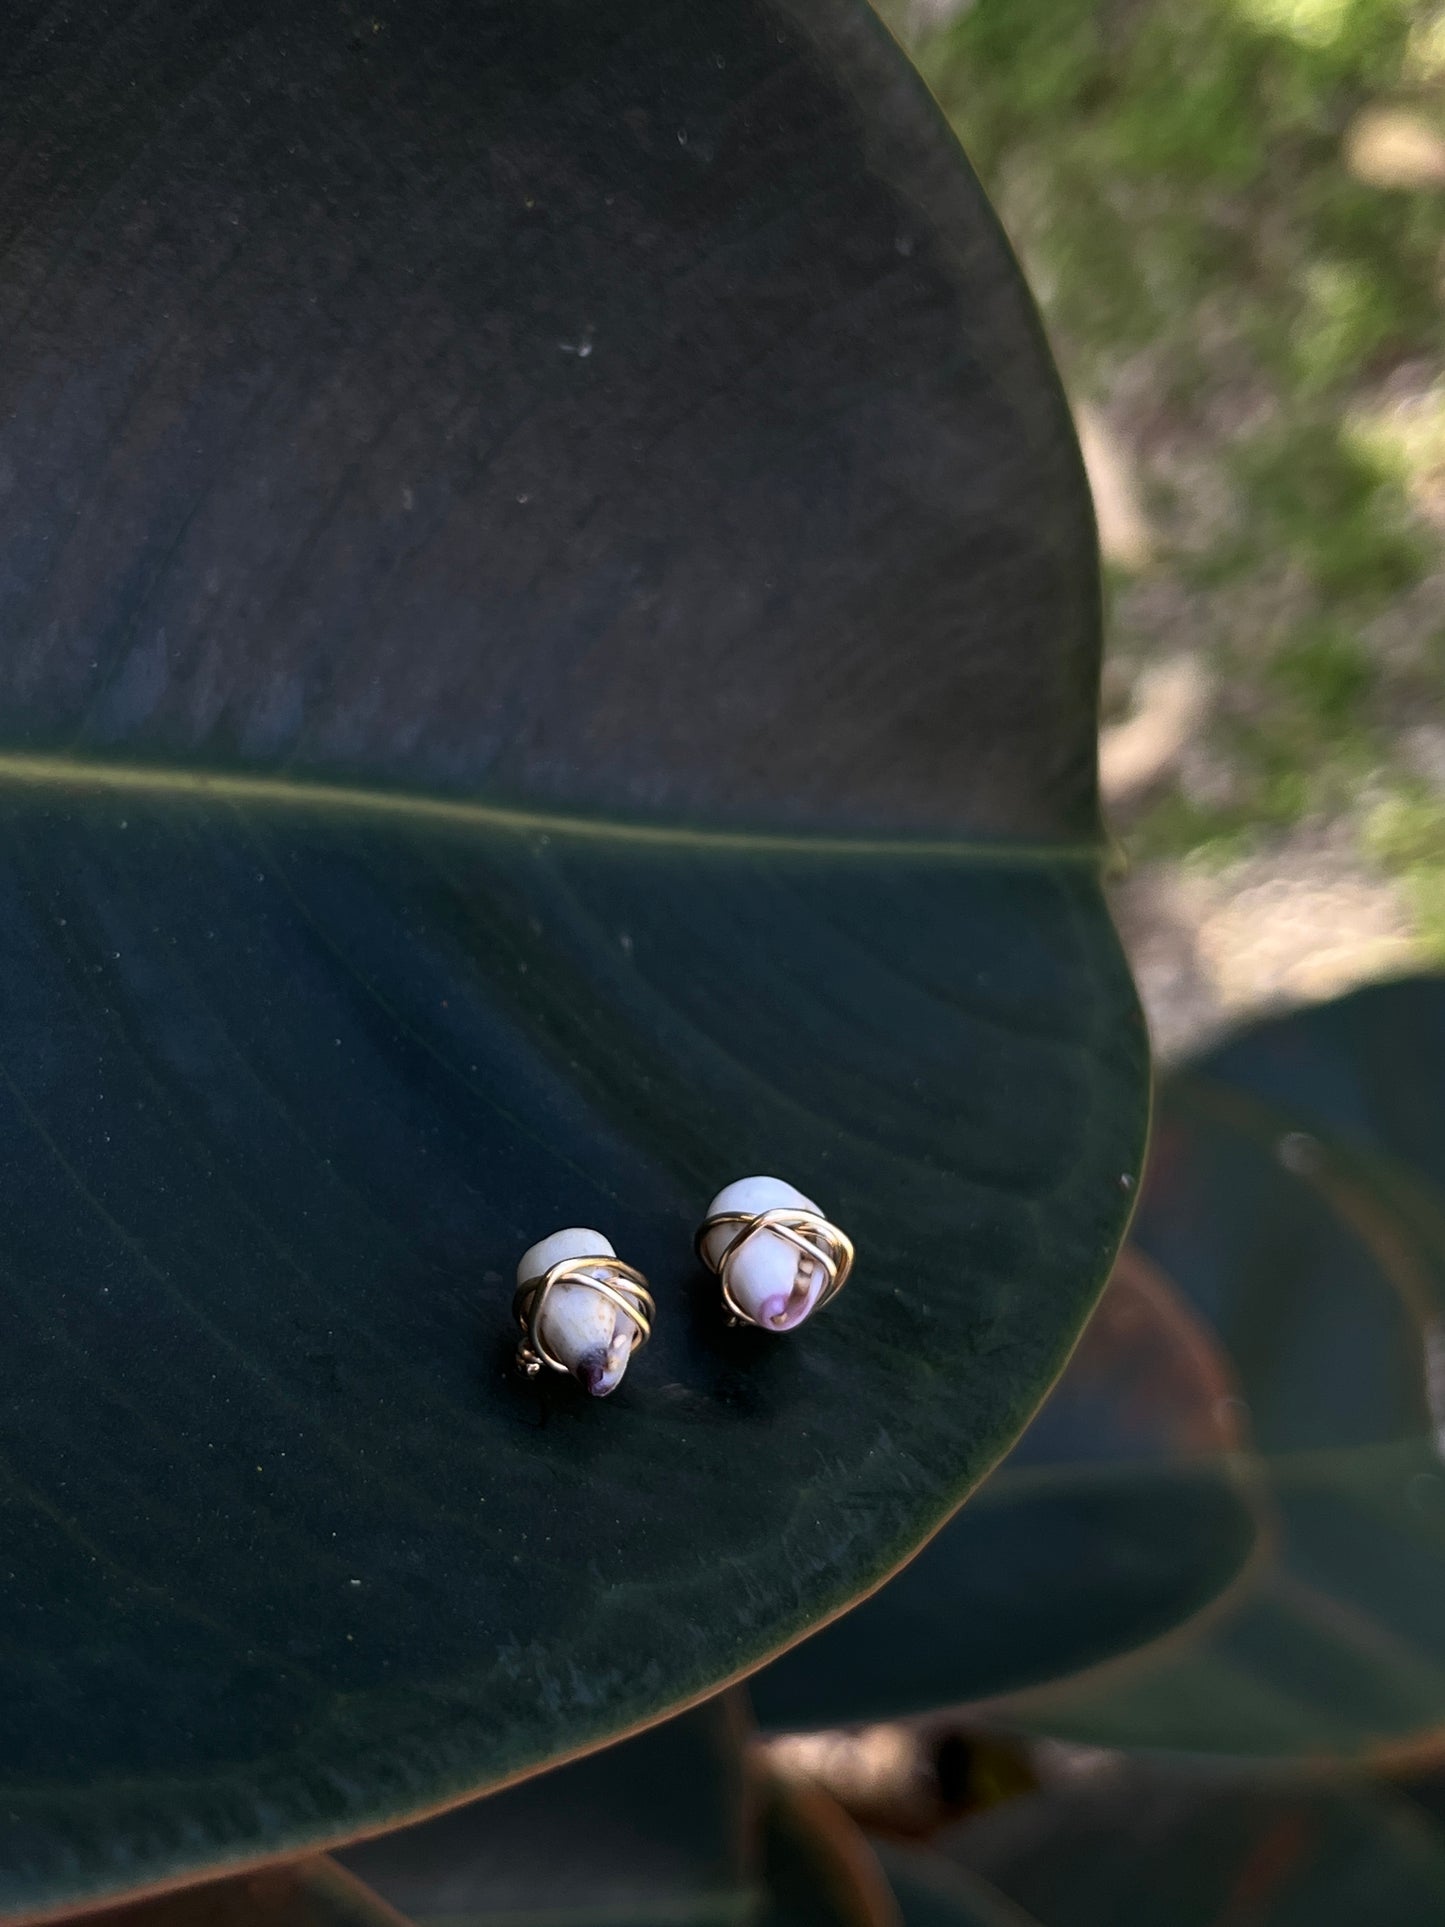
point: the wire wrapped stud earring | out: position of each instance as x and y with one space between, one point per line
581 1309
777 1257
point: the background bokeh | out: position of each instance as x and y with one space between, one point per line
1232 215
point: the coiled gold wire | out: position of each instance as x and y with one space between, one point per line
810 1231
621 1284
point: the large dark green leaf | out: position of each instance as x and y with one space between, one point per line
1295 1195
614 404
1159 1848
1122 1512
454 785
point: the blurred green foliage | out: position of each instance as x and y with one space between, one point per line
1256 318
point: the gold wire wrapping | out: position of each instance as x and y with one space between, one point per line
623 1285
810 1231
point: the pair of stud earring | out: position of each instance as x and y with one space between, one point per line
582 1310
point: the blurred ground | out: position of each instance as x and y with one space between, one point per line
1233 215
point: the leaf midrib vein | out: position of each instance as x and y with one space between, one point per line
25 770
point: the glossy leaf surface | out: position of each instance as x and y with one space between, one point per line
551 631
1295 1196
1121 1513
621 407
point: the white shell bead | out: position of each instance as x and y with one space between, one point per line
770 1279
591 1336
